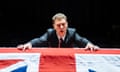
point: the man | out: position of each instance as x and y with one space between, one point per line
60 36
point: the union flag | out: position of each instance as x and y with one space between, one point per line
59 60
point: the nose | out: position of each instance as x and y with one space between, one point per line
61 26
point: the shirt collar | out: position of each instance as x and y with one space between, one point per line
62 37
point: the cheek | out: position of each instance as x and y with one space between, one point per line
66 26
54 26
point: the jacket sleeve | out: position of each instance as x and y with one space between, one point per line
78 41
81 41
40 41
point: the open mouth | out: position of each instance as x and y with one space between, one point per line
61 31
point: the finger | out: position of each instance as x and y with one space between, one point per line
97 48
91 49
20 47
86 49
24 48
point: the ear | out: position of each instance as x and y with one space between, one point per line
67 24
53 26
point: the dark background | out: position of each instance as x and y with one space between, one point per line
21 20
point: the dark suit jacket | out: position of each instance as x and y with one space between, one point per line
49 39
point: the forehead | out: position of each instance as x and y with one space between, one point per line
58 21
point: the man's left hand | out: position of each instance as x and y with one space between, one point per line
91 47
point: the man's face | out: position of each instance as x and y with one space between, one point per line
60 25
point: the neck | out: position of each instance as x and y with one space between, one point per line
61 34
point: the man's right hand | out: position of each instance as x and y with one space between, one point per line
24 46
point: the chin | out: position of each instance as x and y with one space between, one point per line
61 32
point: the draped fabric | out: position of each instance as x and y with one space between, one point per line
59 60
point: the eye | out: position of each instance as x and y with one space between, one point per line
63 24
58 25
